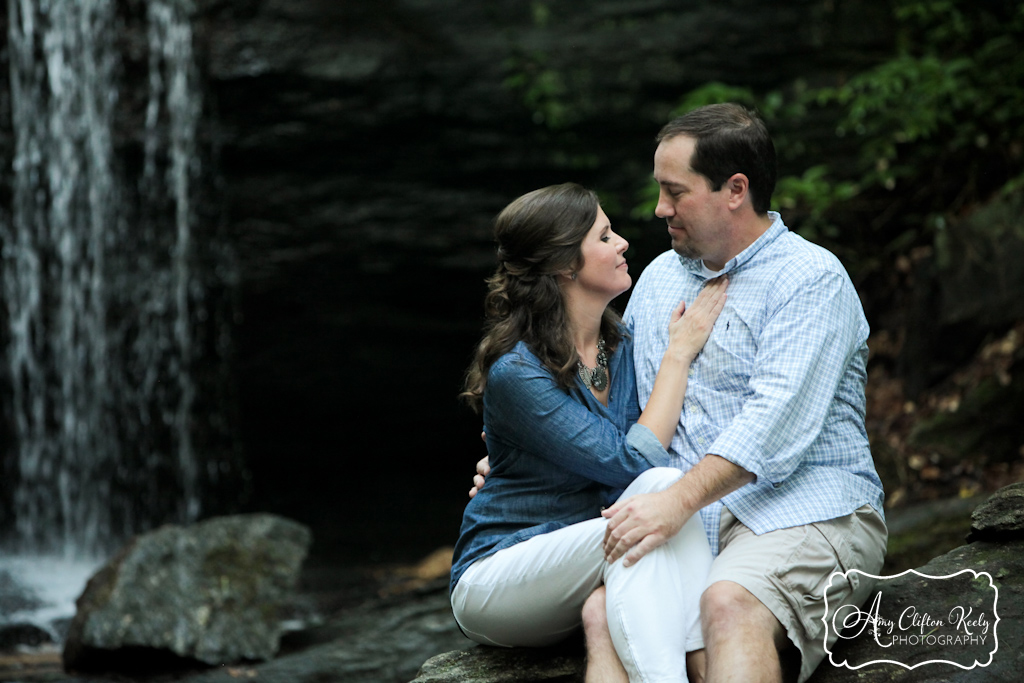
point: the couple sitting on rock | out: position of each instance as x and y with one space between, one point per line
695 538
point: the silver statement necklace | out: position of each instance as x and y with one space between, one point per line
596 378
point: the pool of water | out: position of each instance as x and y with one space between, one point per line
40 591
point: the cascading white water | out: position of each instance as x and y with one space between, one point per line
173 88
98 280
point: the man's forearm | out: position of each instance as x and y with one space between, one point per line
640 523
711 479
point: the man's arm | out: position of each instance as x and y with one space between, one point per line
802 355
641 523
810 342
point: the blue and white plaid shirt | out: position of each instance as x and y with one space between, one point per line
779 387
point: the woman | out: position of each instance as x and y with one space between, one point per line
554 379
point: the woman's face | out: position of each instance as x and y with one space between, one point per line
604 268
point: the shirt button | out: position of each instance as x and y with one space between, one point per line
701 441
694 409
690 373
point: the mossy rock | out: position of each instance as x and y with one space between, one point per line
212 593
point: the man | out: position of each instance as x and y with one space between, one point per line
771 437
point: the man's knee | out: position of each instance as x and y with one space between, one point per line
725 599
595 619
727 607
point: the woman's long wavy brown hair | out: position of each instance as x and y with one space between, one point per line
539 237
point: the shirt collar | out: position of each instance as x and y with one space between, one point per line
773 232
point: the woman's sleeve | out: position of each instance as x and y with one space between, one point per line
529 411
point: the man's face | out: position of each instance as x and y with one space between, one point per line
696 216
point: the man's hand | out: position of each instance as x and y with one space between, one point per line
640 523
483 468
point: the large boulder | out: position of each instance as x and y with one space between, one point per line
215 592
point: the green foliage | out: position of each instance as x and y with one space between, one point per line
954 87
541 13
716 93
815 194
540 85
934 129
647 200
541 89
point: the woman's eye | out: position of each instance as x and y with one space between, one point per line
605 238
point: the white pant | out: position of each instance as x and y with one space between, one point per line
532 593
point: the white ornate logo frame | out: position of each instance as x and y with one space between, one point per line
873 618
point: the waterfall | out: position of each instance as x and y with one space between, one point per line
99 278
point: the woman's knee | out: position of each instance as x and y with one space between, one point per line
654 479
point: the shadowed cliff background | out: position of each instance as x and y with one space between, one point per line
353 154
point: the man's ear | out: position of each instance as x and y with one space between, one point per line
738 189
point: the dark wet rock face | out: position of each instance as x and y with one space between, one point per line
214 592
15 635
358 152
372 121
365 147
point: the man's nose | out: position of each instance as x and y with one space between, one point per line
664 208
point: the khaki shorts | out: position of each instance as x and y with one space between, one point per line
788 569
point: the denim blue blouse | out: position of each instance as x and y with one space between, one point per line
556 457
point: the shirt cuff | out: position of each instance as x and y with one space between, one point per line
742 453
642 440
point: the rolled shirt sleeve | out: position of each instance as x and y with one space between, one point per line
806 346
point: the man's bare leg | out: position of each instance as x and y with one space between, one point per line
742 637
603 665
